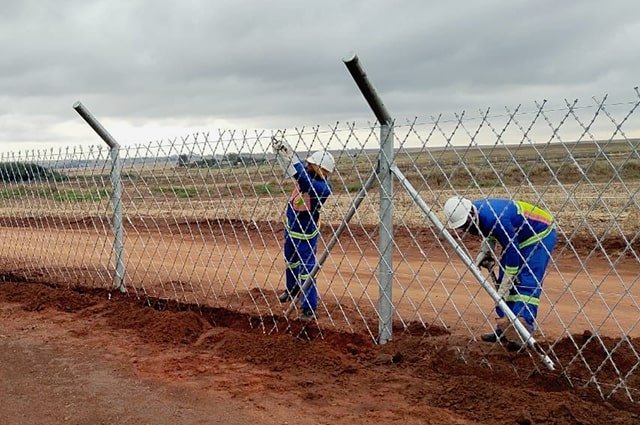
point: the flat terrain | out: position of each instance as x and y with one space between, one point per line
200 336
238 265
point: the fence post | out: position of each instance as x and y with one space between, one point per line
116 192
385 160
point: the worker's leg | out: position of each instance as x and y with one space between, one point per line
307 256
528 289
524 298
293 264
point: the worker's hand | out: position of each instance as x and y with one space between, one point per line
508 281
486 260
285 156
276 144
485 257
282 148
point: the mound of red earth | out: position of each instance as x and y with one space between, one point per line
425 375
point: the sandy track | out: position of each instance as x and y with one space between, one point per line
225 268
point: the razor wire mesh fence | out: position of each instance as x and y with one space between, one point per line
203 225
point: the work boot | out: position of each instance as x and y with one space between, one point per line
307 315
288 295
493 336
513 346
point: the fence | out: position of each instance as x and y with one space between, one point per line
198 220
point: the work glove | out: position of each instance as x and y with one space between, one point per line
282 148
485 258
285 156
504 287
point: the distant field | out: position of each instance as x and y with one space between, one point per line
584 182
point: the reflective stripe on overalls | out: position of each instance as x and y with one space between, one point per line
534 213
524 299
301 236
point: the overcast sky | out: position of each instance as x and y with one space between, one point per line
155 69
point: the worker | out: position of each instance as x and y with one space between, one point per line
302 221
527 236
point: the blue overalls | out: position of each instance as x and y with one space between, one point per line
527 236
301 232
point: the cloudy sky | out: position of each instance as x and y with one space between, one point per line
157 69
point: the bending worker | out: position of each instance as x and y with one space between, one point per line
527 236
303 215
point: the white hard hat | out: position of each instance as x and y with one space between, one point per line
456 211
323 159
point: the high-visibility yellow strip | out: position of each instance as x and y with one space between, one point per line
511 270
302 236
534 213
293 265
527 299
536 238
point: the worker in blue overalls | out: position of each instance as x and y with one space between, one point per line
527 236
302 220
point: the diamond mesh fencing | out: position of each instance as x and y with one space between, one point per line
203 224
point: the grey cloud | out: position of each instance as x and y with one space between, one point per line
279 62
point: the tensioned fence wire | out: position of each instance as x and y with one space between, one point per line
204 218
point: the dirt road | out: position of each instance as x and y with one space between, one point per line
223 266
45 381
58 367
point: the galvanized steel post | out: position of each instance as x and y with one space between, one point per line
116 192
385 160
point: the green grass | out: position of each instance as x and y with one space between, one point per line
179 192
72 195
354 187
64 195
265 189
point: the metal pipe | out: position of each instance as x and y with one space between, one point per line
97 127
475 271
116 193
385 241
360 77
385 159
118 226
